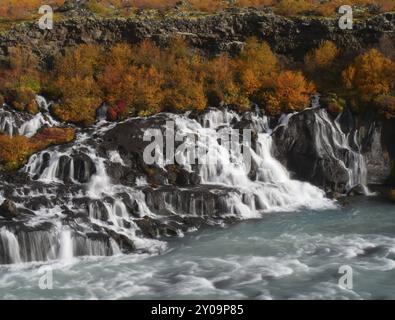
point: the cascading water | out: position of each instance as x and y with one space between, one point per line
74 207
269 188
16 123
328 135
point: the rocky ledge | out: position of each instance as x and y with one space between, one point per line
225 31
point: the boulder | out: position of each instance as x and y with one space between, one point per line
8 210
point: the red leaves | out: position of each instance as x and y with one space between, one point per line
115 112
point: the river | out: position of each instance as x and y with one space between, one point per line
295 255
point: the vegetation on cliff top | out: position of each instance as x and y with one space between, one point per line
27 9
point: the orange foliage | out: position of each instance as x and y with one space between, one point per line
291 7
255 3
79 100
321 57
20 80
208 5
291 92
130 78
74 81
255 66
371 75
184 78
154 4
14 151
20 9
220 86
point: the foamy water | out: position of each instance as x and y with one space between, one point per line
284 256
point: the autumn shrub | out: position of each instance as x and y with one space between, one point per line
371 75
254 3
20 80
132 81
14 151
75 85
154 4
80 100
291 7
322 57
208 5
385 105
23 98
386 5
290 92
117 111
255 66
322 65
219 79
147 90
113 79
51 136
22 9
184 78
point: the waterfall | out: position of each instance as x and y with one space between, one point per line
10 246
78 208
16 123
330 139
8 123
66 246
270 188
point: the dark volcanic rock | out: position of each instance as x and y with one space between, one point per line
375 152
225 31
296 147
84 168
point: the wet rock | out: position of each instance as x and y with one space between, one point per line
84 168
358 190
375 149
8 210
124 243
204 201
297 149
149 227
36 203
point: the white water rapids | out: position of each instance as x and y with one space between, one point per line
249 194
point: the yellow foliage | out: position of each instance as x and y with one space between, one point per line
20 9
208 5
371 75
80 99
321 57
20 79
14 151
146 88
255 66
220 86
291 92
291 7
74 82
